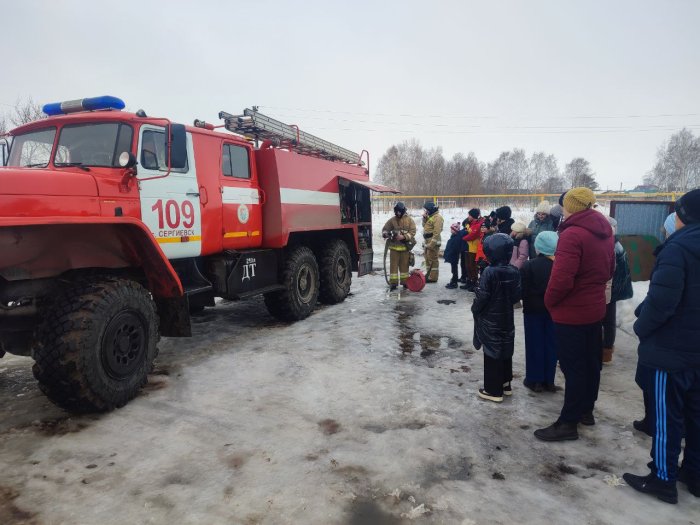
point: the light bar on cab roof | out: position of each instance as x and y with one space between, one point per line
83 104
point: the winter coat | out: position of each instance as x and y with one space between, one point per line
407 227
534 277
498 291
432 228
453 247
668 324
473 238
505 226
622 280
536 226
585 261
520 253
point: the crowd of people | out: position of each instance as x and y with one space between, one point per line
567 270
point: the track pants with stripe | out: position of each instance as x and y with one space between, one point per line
675 404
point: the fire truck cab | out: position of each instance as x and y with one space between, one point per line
115 226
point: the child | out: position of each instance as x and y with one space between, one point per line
521 247
452 254
494 329
481 261
668 331
473 240
540 341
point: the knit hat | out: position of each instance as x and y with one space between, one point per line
455 227
670 223
546 242
556 211
475 212
688 207
543 207
503 213
518 227
578 199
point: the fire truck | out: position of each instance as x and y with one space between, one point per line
116 226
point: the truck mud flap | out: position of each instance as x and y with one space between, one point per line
364 266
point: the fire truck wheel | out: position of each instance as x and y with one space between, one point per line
96 345
301 280
336 272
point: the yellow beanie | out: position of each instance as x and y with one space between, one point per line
578 199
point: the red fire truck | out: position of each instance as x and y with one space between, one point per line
115 226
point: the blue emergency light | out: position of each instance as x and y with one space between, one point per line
83 104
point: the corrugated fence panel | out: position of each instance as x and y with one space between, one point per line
641 218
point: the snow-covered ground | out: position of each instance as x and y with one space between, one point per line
365 413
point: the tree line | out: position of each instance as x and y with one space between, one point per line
677 165
422 171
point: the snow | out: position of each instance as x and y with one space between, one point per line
364 413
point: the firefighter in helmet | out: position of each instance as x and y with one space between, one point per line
432 228
400 232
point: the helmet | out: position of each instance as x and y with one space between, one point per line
430 206
400 208
498 248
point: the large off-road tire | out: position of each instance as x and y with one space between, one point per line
336 272
96 345
301 281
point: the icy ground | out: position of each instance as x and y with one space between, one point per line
365 413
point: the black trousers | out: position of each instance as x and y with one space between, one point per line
609 324
675 410
496 373
580 354
455 272
463 264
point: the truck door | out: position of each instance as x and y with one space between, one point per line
242 210
170 205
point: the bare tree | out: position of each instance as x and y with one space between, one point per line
25 111
677 165
542 171
578 173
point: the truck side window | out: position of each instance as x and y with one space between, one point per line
235 162
153 152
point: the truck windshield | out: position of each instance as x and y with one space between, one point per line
93 144
32 149
97 144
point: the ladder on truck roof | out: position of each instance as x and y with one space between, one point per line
254 124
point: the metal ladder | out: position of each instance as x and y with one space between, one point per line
254 124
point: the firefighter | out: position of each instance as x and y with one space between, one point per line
400 232
432 228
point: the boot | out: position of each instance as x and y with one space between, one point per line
608 355
650 484
558 431
643 426
550 387
507 390
587 419
463 279
452 284
535 387
692 483
483 394
392 287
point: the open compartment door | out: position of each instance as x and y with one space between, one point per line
356 208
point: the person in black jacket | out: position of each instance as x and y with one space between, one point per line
540 337
504 219
452 253
494 329
668 328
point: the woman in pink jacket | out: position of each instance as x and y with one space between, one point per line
521 250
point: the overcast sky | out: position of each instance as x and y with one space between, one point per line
605 80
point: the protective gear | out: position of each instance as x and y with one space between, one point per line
430 207
432 228
399 250
400 209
